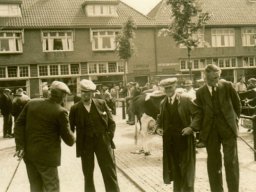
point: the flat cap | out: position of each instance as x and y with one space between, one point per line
58 85
252 80
188 83
7 90
87 85
157 93
168 82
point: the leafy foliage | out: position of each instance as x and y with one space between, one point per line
187 19
125 45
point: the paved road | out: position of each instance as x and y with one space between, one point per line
145 171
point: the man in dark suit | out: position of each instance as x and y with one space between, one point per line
95 127
6 108
38 132
176 111
219 112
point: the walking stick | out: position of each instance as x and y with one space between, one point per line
14 173
136 131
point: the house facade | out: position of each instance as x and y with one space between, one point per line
230 35
42 41
69 40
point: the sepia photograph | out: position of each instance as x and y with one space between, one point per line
128 95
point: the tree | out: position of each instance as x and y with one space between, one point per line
187 20
125 44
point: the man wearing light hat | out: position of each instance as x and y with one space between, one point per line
95 128
174 122
38 132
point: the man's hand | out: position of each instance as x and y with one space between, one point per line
159 131
19 154
187 131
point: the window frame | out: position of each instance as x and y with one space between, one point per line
17 41
223 37
97 45
47 70
18 72
49 40
248 37
10 10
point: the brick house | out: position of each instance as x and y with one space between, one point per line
230 33
68 40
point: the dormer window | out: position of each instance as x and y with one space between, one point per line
10 10
100 8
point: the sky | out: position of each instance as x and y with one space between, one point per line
143 6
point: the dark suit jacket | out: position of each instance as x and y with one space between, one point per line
39 129
229 103
76 118
187 109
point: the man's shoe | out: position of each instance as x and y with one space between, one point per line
131 123
8 136
141 151
200 145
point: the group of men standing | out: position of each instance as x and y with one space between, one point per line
215 112
44 122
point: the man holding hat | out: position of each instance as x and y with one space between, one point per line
38 132
174 123
95 128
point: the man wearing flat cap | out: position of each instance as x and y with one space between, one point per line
174 123
92 120
38 132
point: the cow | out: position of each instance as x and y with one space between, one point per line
146 108
248 101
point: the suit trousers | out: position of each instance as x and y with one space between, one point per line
222 134
42 178
100 146
7 124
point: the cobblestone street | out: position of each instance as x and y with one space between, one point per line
146 171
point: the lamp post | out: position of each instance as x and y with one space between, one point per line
189 63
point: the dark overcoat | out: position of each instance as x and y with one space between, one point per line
230 107
187 109
76 118
39 129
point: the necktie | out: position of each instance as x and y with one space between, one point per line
213 91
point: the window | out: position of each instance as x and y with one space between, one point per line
58 70
64 70
249 37
103 40
74 69
2 72
14 72
120 67
223 38
23 71
112 67
196 64
92 68
54 70
10 10
183 65
199 36
11 42
101 10
102 68
57 41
